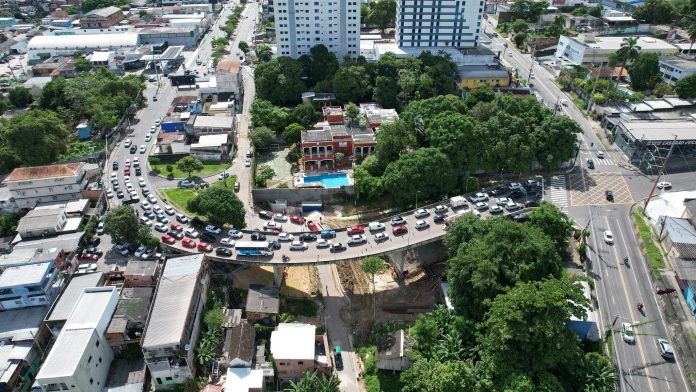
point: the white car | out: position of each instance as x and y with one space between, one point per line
114 176
127 143
133 194
191 233
514 185
247 162
422 224
479 197
139 252
495 209
381 237
136 162
161 227
157 122
323 243
482 206
234 233
227 241
145 206
440 209
169 210
148 137
129 186
152 199
421 213
109 193
127 163
502 201
157 209
357 239
141 182
212 229
181 218
153 129
285 237
145 221
223 175
664 185
608 237
627 333
280 218
142 149
270 225
298 245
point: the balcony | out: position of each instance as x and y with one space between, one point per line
317 157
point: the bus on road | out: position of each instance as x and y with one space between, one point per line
255 248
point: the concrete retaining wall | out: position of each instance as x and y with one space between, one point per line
297 196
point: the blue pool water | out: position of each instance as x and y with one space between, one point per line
329 180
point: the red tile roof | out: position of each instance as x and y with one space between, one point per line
48 171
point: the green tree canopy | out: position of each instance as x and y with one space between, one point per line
441 332
393 139
655 12
265 114
554 141
120 222
244 47
189 164
324 64
686 88
527 10
452 133
20 97
501 255
263 52
525 333
367 186
220 205
479 94
261 137
436 376
279 81
382 13
386 91
305 115
553 222
426 109
645 71
424 174
351 84
293 133
36 137
314 382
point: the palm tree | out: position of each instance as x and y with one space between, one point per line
311 382
692 35
629 51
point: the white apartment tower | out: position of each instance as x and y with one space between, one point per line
303 24
438 23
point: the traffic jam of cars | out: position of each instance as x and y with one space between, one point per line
299 233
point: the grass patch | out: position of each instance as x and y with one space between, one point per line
80 149
299 307
378 380
179 197
651 247
209 168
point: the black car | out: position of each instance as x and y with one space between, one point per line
531 203
256 236
590 164
94 250
439 218
114 165
397 220
517 194
179 235
338 358
520 217
120 194
133 149
265 214
307 237
209 238
498 192
197 223
337 247
274 244
609 194
149 214
223 252
95 241
138 171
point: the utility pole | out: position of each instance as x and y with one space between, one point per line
660 174
594 87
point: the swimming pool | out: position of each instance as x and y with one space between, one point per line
336 180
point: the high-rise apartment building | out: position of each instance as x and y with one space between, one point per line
303 24
438 23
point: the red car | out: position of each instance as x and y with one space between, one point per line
126 170
205 247
188 243
89 257
167 239
176 227
356 230
297 219
312 226
398 230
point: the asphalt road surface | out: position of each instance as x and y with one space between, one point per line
619 288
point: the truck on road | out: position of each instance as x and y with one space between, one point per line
457 201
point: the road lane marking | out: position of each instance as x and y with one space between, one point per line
630 311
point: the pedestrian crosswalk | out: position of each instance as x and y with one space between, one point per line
558 192
604 162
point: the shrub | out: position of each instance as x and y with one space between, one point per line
170 168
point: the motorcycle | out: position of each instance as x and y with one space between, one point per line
640 307
626 262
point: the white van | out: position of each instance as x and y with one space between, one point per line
375 226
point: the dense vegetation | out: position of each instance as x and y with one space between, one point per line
508 329
493 132
391 81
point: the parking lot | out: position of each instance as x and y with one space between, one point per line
589 188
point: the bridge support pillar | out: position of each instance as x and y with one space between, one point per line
278 274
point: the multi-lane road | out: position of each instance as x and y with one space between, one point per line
619 287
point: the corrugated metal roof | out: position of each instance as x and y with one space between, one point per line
173 299
683 236
64 305
293 341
